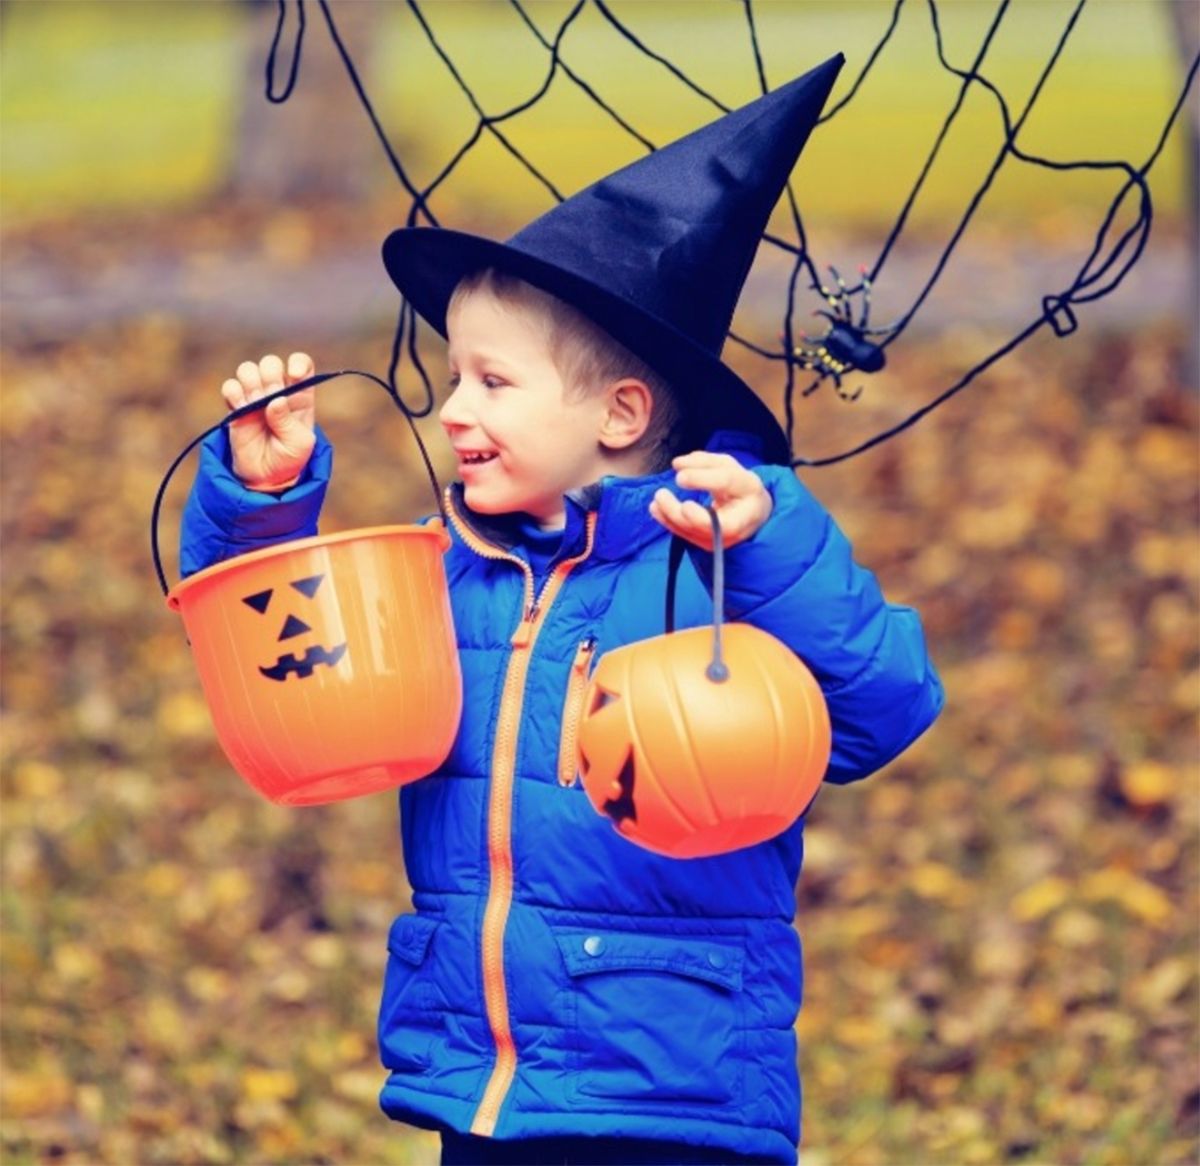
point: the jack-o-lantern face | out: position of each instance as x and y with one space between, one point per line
329 663
617 799
293 625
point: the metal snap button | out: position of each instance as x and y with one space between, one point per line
716 960
593 945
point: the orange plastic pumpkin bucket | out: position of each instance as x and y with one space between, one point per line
699 742
329 664
688 767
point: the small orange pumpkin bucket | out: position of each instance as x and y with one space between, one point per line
699 742
329 663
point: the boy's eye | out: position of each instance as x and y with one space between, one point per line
488 382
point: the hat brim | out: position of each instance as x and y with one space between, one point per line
427 263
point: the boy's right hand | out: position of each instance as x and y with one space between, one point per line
271 447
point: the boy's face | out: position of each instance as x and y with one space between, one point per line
522 441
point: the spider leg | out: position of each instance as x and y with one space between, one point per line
843 298
813 358
812 348
825 294
813 387
845 396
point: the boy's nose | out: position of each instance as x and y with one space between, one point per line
453 414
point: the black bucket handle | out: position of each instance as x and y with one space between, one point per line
717 671
262 403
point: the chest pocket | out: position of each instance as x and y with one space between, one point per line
656 1017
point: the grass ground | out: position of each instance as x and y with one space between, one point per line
130 102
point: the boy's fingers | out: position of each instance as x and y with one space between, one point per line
710 478
696 516
665 507
279 418
700 457
293 435
299 366
233 393
723 478
689 513
739 519
248 375
270 368
689 519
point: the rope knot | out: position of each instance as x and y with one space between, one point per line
1058 314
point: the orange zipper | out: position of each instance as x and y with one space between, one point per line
568 768
500 858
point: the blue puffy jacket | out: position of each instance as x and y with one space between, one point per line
556 979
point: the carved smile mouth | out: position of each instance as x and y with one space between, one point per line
286 665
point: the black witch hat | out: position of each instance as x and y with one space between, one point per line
655 254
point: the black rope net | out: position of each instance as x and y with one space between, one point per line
850 344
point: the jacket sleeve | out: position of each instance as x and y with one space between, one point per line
796 578
222 518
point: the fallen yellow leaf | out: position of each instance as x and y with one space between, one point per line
36 1094
1137 896
1148 783
1039 900
259 1084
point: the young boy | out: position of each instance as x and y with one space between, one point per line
560 994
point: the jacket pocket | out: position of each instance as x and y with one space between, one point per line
657 1018
577 679
409 1021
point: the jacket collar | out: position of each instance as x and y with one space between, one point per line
623 522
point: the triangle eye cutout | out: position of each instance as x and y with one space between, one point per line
293 627
259 600
309 586
601 698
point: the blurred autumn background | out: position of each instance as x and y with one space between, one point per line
1000 931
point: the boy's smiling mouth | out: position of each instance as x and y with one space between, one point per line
470 457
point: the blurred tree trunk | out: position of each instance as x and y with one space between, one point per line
1185 15
319 141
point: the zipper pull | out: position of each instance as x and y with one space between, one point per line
568 771
524 632
583 655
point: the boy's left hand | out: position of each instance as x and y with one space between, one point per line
739 497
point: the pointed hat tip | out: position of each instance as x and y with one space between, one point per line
815 83
831 67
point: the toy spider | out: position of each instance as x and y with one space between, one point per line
845 346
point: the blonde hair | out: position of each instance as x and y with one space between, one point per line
586 356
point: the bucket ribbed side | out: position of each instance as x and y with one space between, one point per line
357 643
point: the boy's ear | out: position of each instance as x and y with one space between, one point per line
628 404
